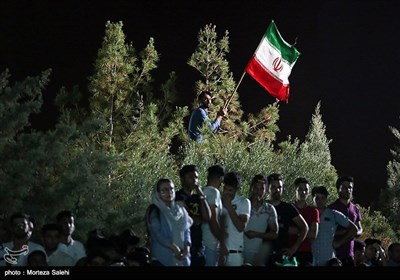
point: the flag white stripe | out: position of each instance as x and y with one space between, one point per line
266 54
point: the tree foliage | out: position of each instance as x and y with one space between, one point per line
375 225
102 160
209 59
389 202
46 172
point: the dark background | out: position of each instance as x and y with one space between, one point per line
349 61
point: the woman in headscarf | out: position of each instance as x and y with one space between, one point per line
168 224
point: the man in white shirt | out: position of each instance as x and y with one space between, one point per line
235 215
15 252
51 234
67 244
212 230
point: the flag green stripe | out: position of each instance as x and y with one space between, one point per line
288 52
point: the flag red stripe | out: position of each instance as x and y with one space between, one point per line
269 82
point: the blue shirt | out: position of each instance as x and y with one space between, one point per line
197 118
322 248
161 238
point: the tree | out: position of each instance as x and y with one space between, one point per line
209 59
137 128
375 225
313 159
20 157
102 160
389 202
56 168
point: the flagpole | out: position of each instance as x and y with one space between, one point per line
231 96
241 78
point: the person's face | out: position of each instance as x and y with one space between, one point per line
276 190
345 190
68 225
359 255
302 191
371 252
21 228
167 192
51 239
190 179
229 191
259 189
206 101
320 200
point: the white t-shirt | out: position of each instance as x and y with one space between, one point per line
234 240
60 258
22 259
259 220
213 197
75 249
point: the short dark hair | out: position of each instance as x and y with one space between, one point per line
370 241
65 214
359 245
202 94
259 178
20 215
232 179
342 179
129 237
188 168
216 171
321 190
301 180
274 177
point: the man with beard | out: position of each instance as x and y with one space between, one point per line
15 252
191 196
262 227
288 215
343 204
200 115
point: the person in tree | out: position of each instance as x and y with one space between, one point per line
200 115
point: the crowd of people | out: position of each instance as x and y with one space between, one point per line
214 226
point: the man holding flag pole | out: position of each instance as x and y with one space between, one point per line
270 65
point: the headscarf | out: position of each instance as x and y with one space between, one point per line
177 217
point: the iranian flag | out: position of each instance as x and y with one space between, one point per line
272 63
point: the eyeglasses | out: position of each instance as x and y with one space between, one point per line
167 190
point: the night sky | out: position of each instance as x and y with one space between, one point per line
349 61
